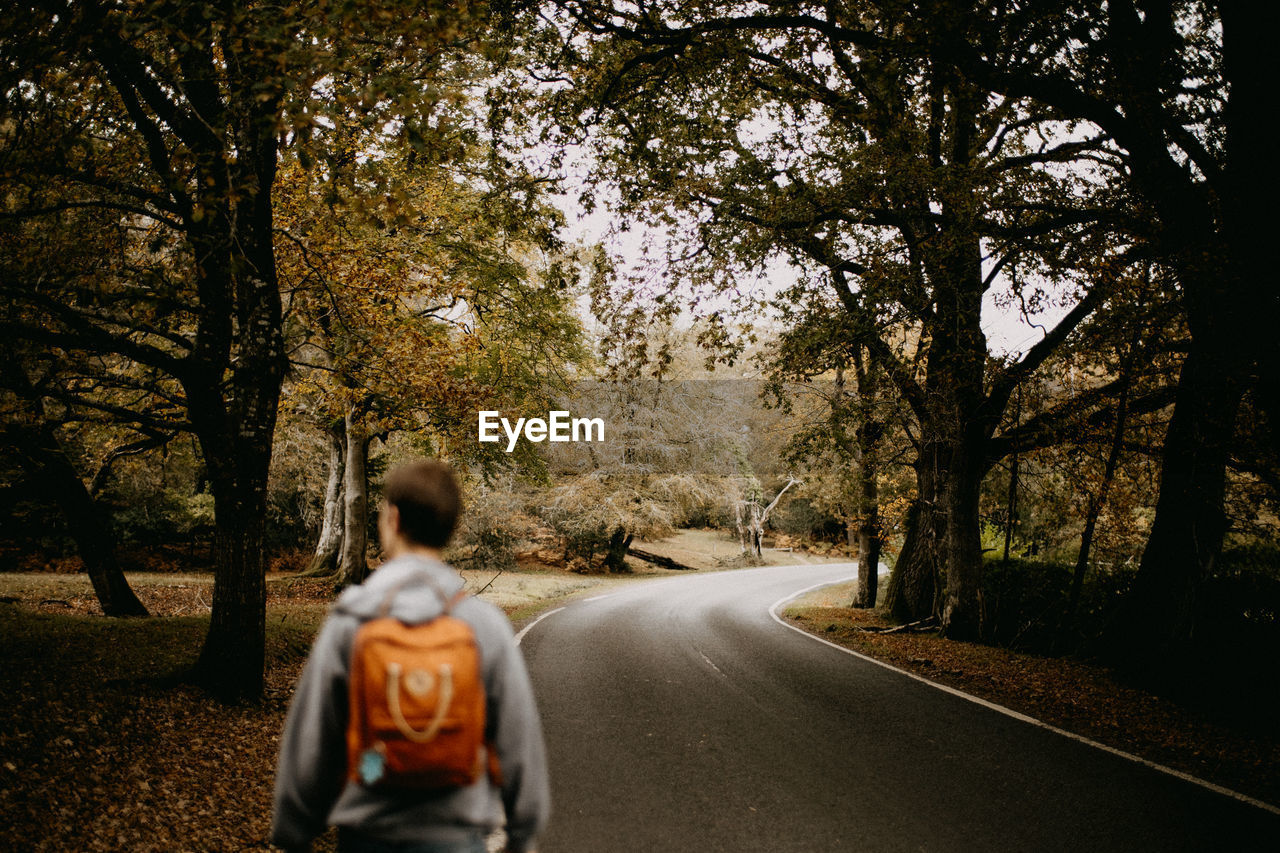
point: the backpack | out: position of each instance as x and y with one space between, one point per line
417 702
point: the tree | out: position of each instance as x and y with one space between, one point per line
1174 87
892 181
30 432
751 513
325 560
416 315
1127 348
847 435
170 116
54 393
1179 89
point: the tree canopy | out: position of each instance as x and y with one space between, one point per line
234 220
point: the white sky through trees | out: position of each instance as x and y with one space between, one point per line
1009 331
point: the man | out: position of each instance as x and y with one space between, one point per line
420 510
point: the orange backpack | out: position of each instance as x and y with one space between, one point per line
417 717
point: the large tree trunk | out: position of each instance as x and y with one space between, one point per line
912 592
1228 317
1159 614
328 549
50 469
231 661
956 422
240 332
914 582
962 611
956 416
94 537
1222 257
963 413
354 564
236 445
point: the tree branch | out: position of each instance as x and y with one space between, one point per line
1004 385
1051 428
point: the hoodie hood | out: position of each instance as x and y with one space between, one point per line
416 587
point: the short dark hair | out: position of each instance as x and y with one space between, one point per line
427 496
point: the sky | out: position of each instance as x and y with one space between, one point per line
1007 331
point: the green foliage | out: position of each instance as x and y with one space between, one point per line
165 518
422 295
158 499
1027 602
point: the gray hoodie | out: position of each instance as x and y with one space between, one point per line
312 790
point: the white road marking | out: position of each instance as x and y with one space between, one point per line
1009 712
525 630
710 664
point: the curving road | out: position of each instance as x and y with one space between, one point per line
680 716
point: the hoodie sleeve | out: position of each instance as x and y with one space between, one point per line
517 737
312 767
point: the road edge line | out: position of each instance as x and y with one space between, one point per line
1009 712
527 628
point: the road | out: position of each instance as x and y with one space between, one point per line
680 716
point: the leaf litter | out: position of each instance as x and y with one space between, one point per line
1078 696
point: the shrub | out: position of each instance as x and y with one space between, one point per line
1025 602
492 526
1241 602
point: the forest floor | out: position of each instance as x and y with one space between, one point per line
101 748
1080 697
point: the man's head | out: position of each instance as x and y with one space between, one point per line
421 503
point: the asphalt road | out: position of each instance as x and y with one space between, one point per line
681 717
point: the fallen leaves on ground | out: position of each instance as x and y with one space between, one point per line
102 751
1082 698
